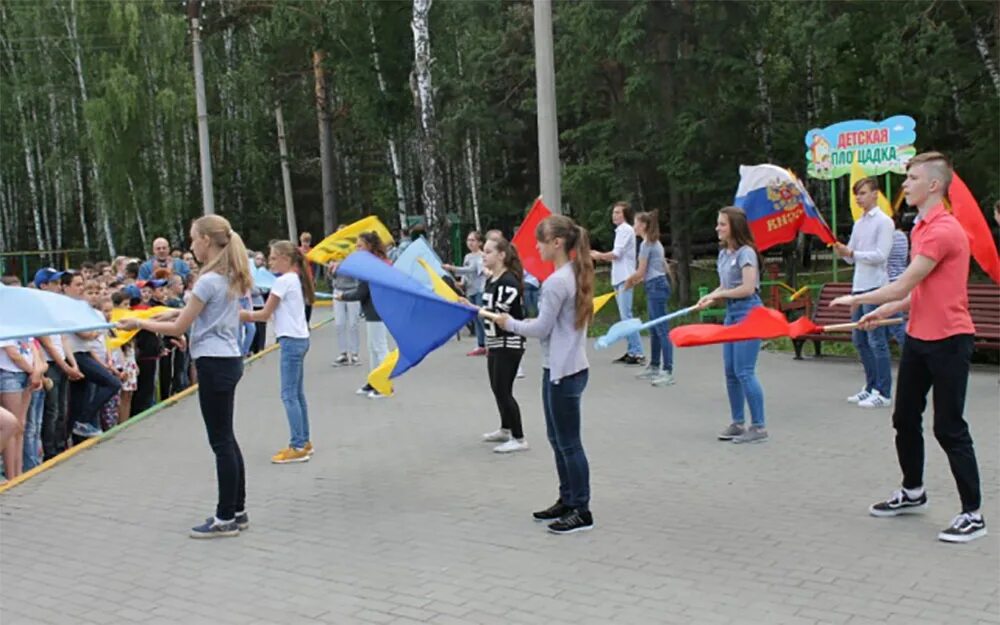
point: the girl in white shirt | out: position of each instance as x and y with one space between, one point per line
291 292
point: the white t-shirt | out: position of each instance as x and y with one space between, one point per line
22 345
290 315
57 345
623 265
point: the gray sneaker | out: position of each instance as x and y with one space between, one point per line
755 434
648 373
731 432
663 378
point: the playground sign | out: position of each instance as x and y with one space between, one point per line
879 147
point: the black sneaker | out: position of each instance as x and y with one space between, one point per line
898 503
574 521
242 520
964 528
553 512
632 361
623 360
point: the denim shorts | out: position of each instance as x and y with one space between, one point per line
13 381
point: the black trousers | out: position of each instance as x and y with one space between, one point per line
166 367
55 432
502 366
217 379
943 365
145 392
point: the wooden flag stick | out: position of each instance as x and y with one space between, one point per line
843 327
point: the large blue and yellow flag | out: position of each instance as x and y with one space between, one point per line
408 261
419 320
30 312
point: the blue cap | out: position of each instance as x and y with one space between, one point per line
132 291
46 275
156 283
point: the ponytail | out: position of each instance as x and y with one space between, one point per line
576 245
289 250
231 262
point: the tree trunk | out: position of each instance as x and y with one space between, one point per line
286 176
29 166
983 47
470 167
102 211
393 154
57 187
765 105
423 88
325 143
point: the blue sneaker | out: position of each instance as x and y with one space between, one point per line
86 430
214 529
242 520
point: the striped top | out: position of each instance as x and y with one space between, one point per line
898 255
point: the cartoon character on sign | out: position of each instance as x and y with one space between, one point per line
821 153
785 196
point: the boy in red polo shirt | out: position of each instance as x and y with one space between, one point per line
937 351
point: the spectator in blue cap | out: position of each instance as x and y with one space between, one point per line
47 279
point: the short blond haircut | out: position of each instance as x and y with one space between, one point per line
938 165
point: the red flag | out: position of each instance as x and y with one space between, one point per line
760 323
524 241
966 210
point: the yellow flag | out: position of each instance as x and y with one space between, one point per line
441 287
341 243
379 377
124 336
601 300
857 173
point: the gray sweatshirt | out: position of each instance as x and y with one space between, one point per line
564 348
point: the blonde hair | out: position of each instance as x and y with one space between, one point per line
290 251
938 165
231 261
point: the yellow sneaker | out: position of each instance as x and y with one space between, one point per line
308 448
290 454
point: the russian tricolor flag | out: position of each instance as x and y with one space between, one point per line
778 206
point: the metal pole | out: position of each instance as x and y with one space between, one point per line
286 176
833 220
208 200
548 127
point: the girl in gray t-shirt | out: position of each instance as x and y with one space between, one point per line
213 315
739 281
473 276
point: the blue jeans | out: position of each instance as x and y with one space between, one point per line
561 403
33 431
873 347
530 300
657 294
293 356
740 358
477 300
623 297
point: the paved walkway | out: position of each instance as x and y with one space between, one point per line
403 517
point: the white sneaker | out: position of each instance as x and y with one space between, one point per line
520 371
648 373
663 378
341 361
373 394
364 390
355 361
511 446
875 401
500 436
860 396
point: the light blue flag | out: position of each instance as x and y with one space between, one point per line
418 319
262 278
30 312
407 262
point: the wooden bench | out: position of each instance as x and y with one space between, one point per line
984 307
823 314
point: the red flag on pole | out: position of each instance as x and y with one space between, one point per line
524 241
760 323
966 210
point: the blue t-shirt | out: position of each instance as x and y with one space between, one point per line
731 263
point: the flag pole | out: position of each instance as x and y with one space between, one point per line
833 220
888 186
